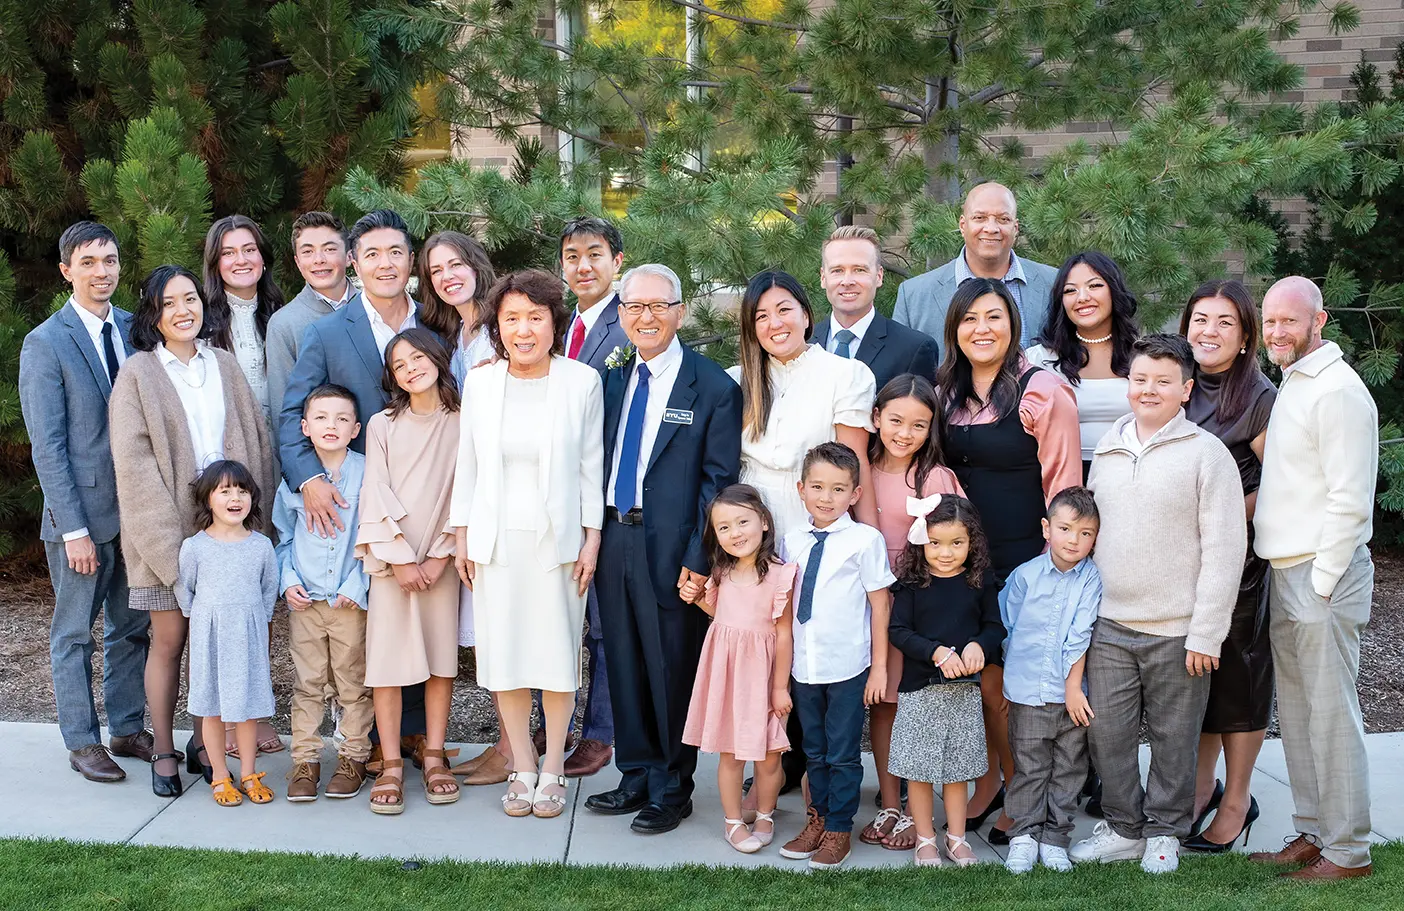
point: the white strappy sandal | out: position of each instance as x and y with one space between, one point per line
765 838
953 844
748 845
924 842
519 804
548 806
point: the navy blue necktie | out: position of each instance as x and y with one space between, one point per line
626 479
841 342
811 576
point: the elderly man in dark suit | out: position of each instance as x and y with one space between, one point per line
672 439
850 272
989 222
67 367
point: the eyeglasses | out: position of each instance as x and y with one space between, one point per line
657 308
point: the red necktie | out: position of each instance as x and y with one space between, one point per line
577 339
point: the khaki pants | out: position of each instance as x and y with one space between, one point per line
329 647
1316 649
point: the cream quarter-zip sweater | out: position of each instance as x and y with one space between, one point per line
1173 535
1322 453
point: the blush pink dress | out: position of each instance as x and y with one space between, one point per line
890 490
730 709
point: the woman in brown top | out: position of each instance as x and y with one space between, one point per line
1232 399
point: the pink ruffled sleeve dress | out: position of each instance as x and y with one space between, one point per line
730 710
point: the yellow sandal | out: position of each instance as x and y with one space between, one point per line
258 791
439 775
225 794
386 785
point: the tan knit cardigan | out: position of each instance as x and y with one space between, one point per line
155 461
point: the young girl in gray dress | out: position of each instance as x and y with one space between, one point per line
227 585
945 619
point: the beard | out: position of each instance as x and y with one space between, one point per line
1298 351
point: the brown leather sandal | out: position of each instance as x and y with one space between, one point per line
224 792
386 785
258 791
438 776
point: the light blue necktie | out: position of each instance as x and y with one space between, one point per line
842 339
626 479
811 576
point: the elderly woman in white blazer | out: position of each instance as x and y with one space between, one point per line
528 502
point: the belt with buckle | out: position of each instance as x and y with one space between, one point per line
632 517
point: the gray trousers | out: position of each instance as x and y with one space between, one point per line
1050 767
1128 671
1316 649
77 601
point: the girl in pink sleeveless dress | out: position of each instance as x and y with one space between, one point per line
742 691
907 463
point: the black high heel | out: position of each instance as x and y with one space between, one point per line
974 822
1200 843
193 765
1209 807
166 785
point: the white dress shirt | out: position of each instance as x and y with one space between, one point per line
94 327
859 329
336 304
663 373
588 317
201 392
382 330
837 642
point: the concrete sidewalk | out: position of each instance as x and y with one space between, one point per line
44 799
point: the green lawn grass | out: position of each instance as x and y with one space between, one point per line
65 876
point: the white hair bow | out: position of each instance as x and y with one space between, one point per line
919 510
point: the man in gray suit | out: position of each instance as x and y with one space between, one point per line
67 367
320 251
989 222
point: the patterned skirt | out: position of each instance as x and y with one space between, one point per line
152 598
939 734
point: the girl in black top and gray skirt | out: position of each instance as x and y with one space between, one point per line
945 620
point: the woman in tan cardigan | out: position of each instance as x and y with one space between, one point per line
177 405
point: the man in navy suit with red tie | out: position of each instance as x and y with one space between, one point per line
672 442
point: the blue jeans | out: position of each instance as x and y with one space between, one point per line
77 601
832 717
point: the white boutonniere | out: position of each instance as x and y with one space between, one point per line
619 356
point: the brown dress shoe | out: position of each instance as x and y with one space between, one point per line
1322 870
412 747
93 763
803 845
346 782
137 746
303 781
833 851
589 757
1299 851
492 770
538 740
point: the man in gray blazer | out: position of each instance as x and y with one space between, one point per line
989 222
319 249
67 367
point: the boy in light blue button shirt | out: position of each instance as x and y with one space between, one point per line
1048 605
325 587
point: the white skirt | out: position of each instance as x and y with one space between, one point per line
527 619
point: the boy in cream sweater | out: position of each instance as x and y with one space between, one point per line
1170 554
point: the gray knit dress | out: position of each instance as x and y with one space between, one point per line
227 589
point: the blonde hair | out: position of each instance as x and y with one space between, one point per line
853 232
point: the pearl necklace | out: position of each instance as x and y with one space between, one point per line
1093 341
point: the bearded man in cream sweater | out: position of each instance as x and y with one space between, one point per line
1313 523
1170 554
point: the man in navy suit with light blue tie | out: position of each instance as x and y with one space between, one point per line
68 365
672 443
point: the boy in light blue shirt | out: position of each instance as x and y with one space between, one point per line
325 587
1048 605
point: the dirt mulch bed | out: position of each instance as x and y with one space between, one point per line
26 688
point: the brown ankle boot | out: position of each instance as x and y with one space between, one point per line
833 851
804 845
303 781
350 775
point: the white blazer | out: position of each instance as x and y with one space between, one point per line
571 467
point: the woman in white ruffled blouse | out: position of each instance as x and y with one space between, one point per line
240 296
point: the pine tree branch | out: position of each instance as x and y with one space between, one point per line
744 20
997 90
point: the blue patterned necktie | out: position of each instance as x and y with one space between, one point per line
842 339
811 576
626 479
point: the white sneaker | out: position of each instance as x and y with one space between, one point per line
1107 846
1054 858
1023 851
1162 854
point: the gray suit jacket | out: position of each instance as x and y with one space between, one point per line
922 301
64 389
282 338
607 335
